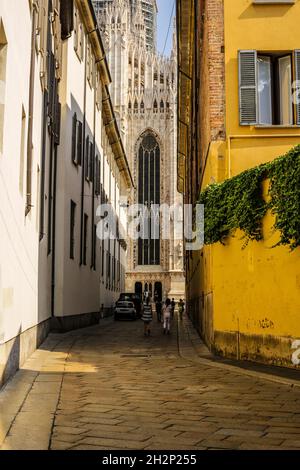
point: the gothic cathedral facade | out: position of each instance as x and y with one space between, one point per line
144 95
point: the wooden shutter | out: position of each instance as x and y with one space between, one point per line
248 87
57 121
91 162
86 158
97 177
66 18
79 142
74 139
76 31
297 88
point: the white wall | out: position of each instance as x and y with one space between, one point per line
19 234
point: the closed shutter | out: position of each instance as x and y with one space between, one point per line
91 163
86 158
297 91
79 142
57 122
97 178
66 18
74 140
248 87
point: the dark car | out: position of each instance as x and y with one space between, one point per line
135 298
125 311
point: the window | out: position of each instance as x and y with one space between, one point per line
85 230
76 140
267 85
89 160
90 65
149 193
99 91
3 59
102 259
97 176
72 229
78 35
94 250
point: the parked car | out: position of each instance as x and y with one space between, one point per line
135 298
125 311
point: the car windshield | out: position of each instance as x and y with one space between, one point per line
125 304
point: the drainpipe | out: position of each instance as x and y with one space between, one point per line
83 156
30 112
54 231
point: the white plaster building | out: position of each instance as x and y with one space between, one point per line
144 94
61 155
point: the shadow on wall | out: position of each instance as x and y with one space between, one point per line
265 11
15 352
9 358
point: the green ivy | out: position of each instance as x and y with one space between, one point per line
238 203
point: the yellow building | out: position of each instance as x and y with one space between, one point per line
236 111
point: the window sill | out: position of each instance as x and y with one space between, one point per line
276 126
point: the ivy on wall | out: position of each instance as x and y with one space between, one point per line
238 203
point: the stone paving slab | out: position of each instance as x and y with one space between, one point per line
109 387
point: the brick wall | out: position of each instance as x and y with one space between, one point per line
212 74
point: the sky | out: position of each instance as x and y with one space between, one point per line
164 13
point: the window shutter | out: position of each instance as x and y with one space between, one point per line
57 121
91 163
66 18
74 127
297 89
248 87
86 158
79 143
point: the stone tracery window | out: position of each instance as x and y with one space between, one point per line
149 194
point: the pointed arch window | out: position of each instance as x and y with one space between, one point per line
136 106
162 106
142 107
155 107
148 195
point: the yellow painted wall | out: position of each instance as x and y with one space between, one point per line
255 291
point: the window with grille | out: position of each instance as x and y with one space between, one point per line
148 195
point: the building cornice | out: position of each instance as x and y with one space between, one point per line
111 126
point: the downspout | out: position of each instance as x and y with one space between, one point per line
54 232
44 133
93 251
30 113
83 156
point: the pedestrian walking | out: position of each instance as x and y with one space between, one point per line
173 304
158 307
167 316
147 317
181 308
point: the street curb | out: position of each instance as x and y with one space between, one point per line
189 352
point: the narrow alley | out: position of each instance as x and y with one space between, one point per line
109 387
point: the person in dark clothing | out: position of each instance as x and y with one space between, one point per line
173 304
181 308
158 307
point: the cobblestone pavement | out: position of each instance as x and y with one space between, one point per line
109 387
